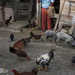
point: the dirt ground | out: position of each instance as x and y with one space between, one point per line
61 65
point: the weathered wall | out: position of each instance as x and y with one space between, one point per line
19 8
69 8
8 12
13 4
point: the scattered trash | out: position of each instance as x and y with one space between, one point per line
3 70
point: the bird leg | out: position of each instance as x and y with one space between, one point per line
40 68
46 68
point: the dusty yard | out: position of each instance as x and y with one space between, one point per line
61 65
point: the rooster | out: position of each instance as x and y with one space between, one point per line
45 59
33 72
11 37
19 53
36 37
8 20
20 44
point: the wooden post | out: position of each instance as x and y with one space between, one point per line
39 14
3 14
59 15
3 11
39 23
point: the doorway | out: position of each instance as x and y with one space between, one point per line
57 6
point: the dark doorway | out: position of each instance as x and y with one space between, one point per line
33 8
57 6
22 0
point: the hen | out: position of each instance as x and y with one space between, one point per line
20 44
11 37
36 37
33 72
27 39
19 53
8 20
45 59
73 60
32 25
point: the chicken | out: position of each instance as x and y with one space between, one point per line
8 20
20 44
45 59
36 37
19 53
27 39
33 72
73 60
11 37
32 25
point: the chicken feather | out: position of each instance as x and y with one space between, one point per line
45 59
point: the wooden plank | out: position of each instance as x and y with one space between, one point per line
68 13
39 14
71 0
0 14
59 15
34 18
69 3
23 11
66 17
69 8
39 23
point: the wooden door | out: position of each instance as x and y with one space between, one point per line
23 10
